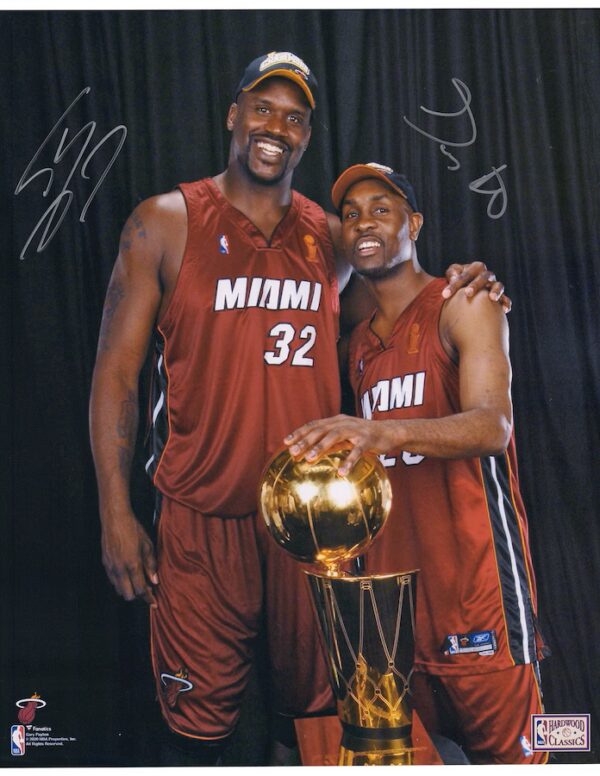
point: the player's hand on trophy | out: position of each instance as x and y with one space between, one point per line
318 436
129 559
475 276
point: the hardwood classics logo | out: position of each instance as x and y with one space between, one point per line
560 732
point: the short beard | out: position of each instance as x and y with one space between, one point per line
266 181
378 273
257 178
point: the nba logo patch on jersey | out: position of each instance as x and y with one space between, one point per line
452 645
17 740
526 746
223 244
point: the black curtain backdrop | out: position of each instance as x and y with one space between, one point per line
167 77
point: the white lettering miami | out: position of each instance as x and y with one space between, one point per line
272 294
386 395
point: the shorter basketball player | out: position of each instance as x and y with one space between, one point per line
432 379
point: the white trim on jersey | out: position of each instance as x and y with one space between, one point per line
513 561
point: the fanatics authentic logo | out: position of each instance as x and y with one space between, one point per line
560 732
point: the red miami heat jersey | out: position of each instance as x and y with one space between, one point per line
245 352
461 522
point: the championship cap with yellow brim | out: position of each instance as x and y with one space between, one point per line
283 64
360 172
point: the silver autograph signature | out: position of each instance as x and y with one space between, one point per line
478 184
58 208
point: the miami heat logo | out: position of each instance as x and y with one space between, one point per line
173 684
28 707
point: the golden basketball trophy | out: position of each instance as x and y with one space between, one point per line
367 622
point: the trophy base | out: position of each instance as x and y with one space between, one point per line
319 743
400 752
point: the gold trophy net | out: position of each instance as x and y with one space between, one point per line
368 626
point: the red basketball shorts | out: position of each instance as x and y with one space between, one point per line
219 580
488 714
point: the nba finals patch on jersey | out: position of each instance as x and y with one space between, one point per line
312 250
560 732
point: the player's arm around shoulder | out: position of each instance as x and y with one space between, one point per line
342 266
474 332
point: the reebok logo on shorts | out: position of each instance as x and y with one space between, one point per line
482 642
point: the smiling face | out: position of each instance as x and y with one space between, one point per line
271 130
379 228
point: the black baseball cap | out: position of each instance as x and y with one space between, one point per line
284 64
360 172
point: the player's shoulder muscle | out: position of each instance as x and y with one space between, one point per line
154 226
478 318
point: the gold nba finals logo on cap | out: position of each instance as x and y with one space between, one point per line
380 167
284 58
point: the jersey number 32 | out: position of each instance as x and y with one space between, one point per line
291 345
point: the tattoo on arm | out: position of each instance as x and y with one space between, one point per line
125 457
134 228
126 430
139 225
128 417
125 242
114 295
